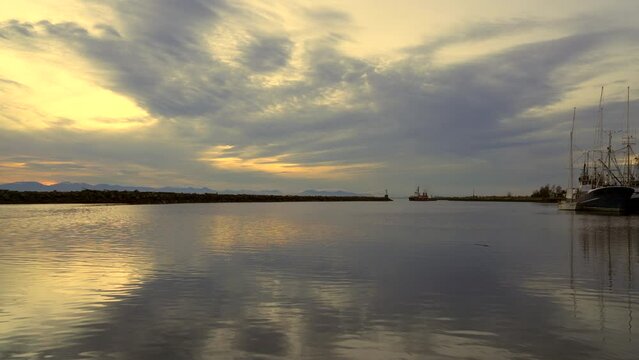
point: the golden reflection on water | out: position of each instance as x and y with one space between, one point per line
59 266
237 232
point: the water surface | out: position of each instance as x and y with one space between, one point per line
400 280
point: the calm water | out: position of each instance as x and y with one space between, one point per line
400 280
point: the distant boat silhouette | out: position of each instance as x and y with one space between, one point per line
420 196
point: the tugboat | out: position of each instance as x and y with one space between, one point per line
420 196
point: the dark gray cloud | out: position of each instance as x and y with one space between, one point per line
173 25
107 30
329 67
15 26
470 100
65 29
467 102
267 53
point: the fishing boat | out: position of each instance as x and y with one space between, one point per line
603 185
602 188
423 196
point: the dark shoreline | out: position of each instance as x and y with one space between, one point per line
499 199
141 197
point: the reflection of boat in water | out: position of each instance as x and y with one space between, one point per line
602 279
420 196
604 184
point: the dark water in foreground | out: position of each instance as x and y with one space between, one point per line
439 280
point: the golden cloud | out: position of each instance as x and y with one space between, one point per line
12 164
219 157
47 85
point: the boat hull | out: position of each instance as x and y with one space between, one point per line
611 199
634 202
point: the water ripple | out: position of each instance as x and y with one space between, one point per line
349 280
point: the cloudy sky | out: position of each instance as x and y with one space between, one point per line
357 95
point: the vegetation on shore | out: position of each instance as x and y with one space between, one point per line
545 194
500 198
549 192
141 197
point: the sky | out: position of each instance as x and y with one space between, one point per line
455 96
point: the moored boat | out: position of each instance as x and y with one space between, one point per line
604 186
423 196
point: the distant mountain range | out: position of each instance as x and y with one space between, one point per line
312 192
69 186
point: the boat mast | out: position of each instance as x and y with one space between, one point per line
572 186
600 130
628 137
599 141
609 155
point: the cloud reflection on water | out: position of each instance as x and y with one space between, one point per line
350 281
